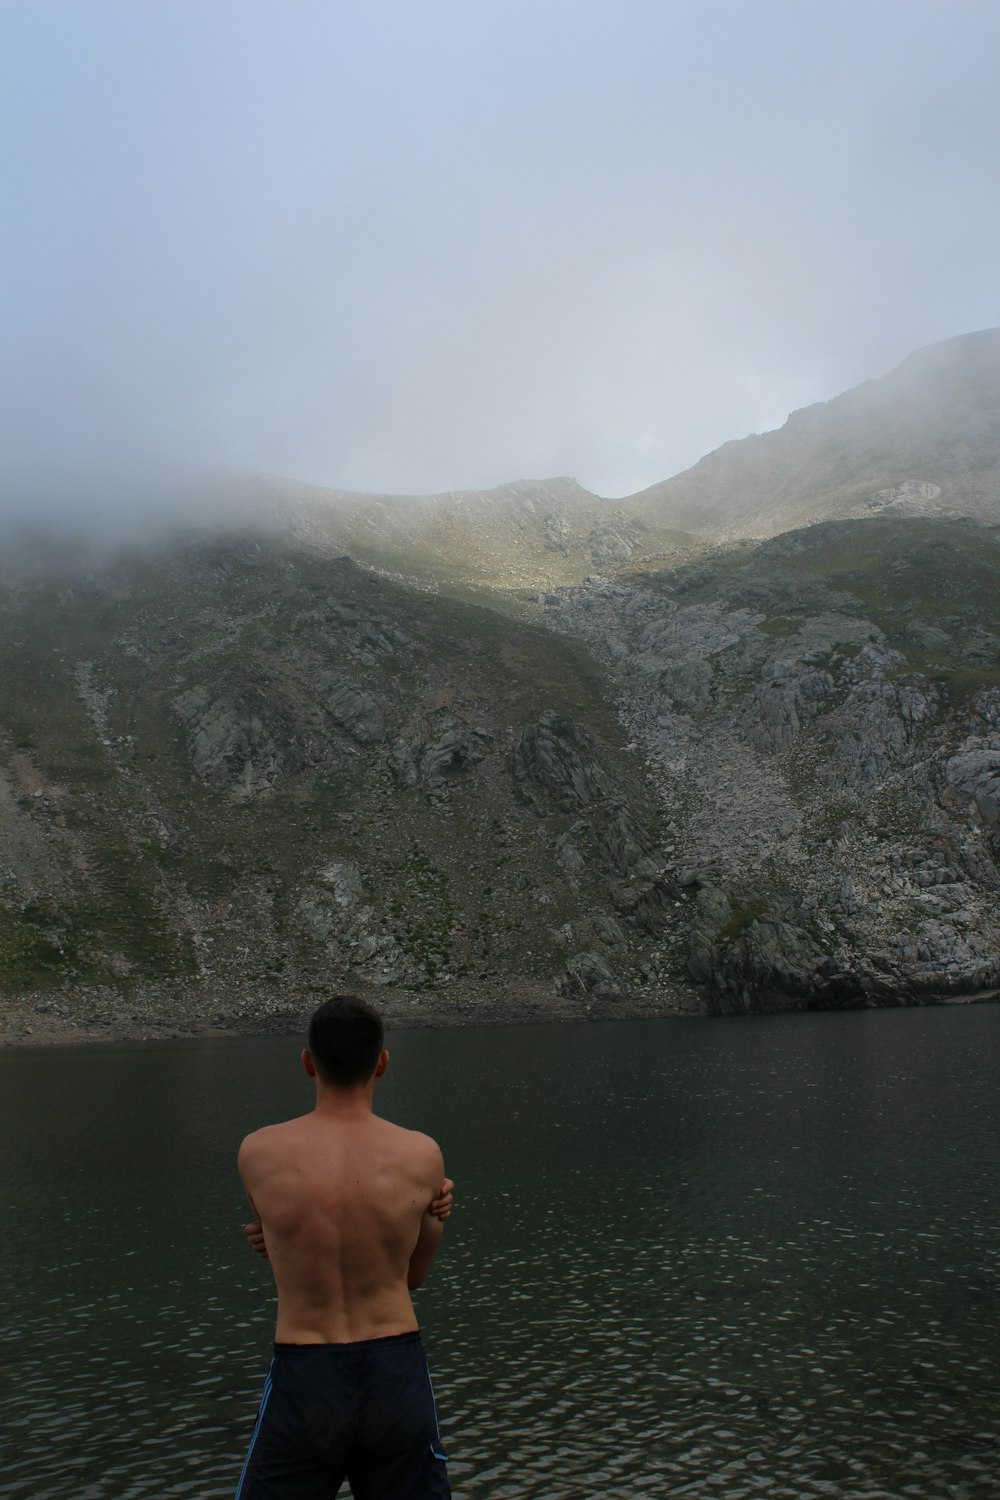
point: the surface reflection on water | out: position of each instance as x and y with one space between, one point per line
734 1258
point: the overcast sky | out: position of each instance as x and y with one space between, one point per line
398 246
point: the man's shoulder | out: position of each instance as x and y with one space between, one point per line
414 1143
266 1136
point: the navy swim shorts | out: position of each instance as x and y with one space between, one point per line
362 1412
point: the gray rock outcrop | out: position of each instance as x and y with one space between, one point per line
588 974
239 743
554 766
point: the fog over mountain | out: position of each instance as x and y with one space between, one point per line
922 440
407 250
925 439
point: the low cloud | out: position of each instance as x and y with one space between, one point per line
412 251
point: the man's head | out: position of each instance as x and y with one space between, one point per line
345 1042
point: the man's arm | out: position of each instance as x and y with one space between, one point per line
430 1236
255 1231
431 1222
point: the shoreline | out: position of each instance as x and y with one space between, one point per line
54 1022
47 1026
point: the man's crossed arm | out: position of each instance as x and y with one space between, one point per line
440 1208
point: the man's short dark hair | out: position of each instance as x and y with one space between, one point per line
345 1039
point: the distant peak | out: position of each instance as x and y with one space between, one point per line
972 350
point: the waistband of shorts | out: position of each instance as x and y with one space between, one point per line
413 1337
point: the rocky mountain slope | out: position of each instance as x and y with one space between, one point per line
820 715
615 771
233 770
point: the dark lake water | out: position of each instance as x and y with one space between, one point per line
691 1258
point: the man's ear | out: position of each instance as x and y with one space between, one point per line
307 1062
382 1064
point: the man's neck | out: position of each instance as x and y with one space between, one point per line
344 1104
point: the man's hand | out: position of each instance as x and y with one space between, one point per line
255 1238
441 1207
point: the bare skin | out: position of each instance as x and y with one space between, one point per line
345 1201
441 1209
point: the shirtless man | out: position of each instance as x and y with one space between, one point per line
351 1211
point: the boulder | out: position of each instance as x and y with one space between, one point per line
554 766
974 774
688 685
589 974
437 754
238 742
356 711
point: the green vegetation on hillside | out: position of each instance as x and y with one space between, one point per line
237 761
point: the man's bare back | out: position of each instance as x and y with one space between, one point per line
344 1198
